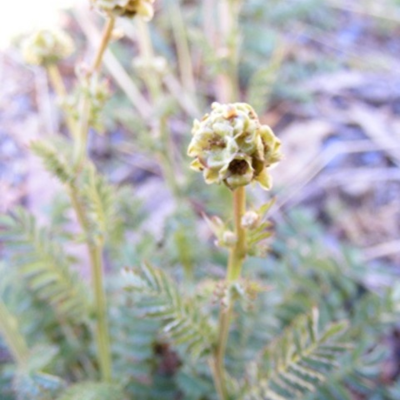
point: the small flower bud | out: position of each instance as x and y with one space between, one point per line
47 46
231 146
126 8
250 220
228 239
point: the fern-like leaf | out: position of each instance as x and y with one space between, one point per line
44 264
37 386
10 331
160 298
99 197
296 362
54 161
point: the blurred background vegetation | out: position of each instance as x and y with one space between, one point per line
325 76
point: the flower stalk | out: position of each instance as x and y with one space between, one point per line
107 32
236 257
238 252
83 126
47 48
230 146
95 248
95 251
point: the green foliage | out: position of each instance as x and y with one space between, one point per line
37 386
92 391
24 321
42 261
128 215
194 385
10 331
160 298
134 339
180 232
297 280
305 272
297 361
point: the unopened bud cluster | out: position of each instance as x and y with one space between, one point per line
250 220
47 46
126 8
231 146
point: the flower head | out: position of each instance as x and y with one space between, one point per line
231 146
47 46
126 8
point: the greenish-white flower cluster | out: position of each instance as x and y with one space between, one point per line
126 8
231 146
47 46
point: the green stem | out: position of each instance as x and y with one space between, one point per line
12 336
105 39
238 252
103 336
84 105
236 257
95 251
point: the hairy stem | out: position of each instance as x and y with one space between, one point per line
238 252
103 336
236 257
95 251
59 87
84 105
105 39
12 336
